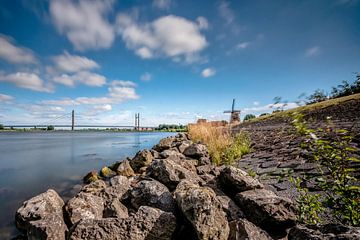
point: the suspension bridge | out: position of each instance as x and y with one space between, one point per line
71 118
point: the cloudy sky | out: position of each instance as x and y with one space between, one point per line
173 61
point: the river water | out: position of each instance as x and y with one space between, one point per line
32 162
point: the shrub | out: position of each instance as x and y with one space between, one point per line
50 128
1 127
223 148
249 116
333 151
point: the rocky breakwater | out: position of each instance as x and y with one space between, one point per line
169 192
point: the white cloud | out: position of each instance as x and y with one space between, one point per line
5 98
226 13
256 103
14 54
162 4
242 45
84 77
27 80
208 72
84 22
73 63
169 36
146 77
98 109
118 92
313 51
202 23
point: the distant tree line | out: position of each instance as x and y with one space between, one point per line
342 90
171 127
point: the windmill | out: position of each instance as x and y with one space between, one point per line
234 114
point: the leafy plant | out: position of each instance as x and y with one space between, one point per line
333 151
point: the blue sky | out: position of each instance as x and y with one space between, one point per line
173 61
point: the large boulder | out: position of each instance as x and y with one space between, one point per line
165 143
84 206
91 177
37 208
202 208
196 151
106 172
183 145
142 159
94 187
148 223
170 173
153 194
234 180
242 229
42 217
51 227
171 153
267 210
115 209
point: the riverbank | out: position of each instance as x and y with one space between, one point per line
171 191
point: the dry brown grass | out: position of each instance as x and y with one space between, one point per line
223 148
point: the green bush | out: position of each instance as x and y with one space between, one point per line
249 116
1 127
239 147
50 128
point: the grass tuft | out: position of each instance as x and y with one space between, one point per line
223 147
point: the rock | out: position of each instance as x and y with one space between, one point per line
154 153
153 194
115 209
267 210
231 210
171 153
196 151
125 169
202 208
324 232
142 159
183 145
165 143
84 206
43 205
170 173
148 223
119 187
242 229
91 177
204 161
234 180
182 136
107 172
94 187
51 227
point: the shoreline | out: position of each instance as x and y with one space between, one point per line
173 183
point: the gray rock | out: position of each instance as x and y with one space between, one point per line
170 173
183 145
202 208
171 153
153 194
115 209
51 227
267 210
165 143
45 204
148 223
242 229
232 211
233 180
196 151
204 161
119 187
142 159
84 206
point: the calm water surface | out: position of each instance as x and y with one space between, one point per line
32 162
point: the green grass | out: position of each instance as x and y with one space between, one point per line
310 107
